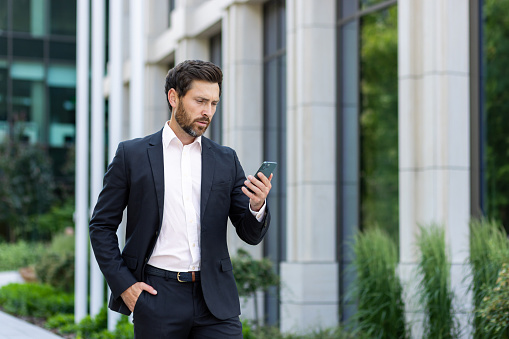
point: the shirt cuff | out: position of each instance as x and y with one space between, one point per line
260 214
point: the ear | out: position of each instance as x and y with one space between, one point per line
173 97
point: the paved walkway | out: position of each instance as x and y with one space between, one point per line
14 328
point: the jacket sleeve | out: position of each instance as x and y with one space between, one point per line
246 225
105 220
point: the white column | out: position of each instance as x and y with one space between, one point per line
243 94
310 274
137 56
81 179
242 101
115 106
434 140
97 142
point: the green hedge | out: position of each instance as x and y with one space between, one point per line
21 254
35 300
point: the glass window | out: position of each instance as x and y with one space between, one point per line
28 106
62 104
368 3
379 121
3 46
30 48
495 117
21 15
3 15
348 8
63 17
27 71
274 139
62 50
171 7
216 127
3 90
62 76
29 16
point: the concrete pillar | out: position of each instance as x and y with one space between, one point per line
434 141
81 182
310 274
97 143
242 98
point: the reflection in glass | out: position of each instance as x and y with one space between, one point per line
28 16
3 15
274 137
216 57
3 90
364 4
495 120
62 103
63 17
28 48
62 50
28 105
379 121
3 46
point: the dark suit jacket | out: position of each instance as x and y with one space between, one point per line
135 178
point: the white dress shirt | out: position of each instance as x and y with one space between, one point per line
178 246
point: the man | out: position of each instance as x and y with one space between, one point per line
179 187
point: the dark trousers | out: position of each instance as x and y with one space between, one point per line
178 311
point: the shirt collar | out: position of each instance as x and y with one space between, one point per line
169 135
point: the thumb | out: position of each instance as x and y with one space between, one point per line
148 288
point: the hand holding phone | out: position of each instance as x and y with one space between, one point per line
267 168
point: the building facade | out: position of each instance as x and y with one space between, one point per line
38 73
379 112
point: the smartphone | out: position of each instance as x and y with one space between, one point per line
267 168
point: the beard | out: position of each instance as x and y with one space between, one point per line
188 125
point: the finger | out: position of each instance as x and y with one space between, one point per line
148 288
251 184
263 180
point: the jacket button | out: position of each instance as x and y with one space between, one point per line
146 259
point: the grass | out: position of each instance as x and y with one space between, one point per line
489 250
380 312
435 290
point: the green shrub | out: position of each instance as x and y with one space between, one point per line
20 254
435 289
253 275
489 250
35 300
380 312
55 220
63 322
26 187
494 308
90 327
56 266
124 329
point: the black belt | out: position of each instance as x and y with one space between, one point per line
179 276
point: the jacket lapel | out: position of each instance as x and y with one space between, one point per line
208 166
155 155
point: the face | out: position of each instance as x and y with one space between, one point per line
195 110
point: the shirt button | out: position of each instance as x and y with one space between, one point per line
194 245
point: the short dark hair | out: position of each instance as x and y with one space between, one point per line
181 76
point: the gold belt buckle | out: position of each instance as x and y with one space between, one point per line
178 277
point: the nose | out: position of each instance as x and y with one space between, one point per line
208 110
